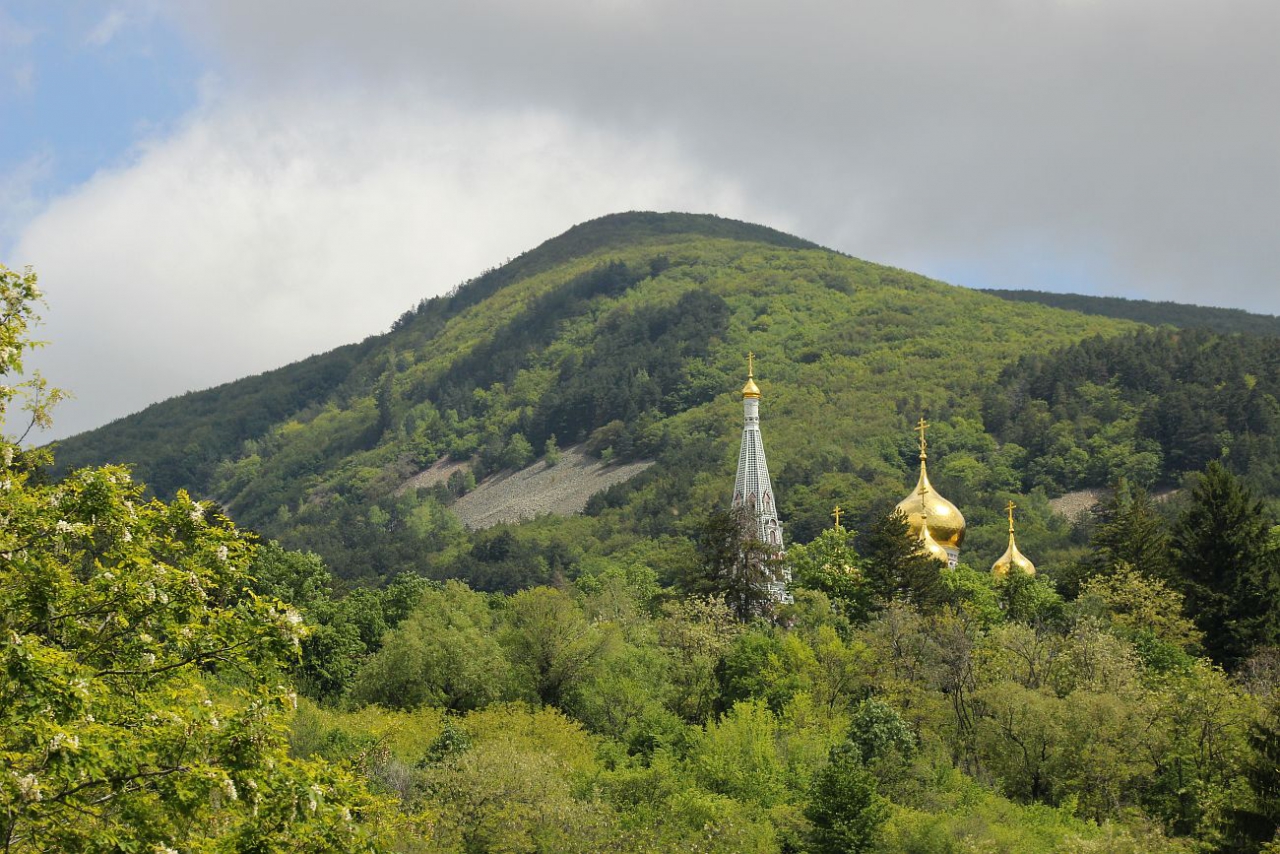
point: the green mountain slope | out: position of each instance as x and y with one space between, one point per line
629 332
1223 320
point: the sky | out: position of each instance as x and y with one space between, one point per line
212 189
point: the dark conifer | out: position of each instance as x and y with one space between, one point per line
733 563
895 565
1225 566
1255 824
1131 531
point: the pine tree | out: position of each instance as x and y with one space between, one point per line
1254 824
896 567
1131 531
1225 566
844 806
734 563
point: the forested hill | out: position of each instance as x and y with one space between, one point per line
1223 320
174 443
612 681
630 333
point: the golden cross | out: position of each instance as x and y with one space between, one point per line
837 513
920 428
1009 509
751 365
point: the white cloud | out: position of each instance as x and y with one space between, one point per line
106 29
266 230
19 201
13 33
1125 146
1132 137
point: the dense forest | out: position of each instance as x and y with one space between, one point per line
352 670
1150 407
1224 320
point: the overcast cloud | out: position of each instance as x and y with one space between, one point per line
353 158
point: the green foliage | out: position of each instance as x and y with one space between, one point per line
1148 407
19 296
141 707
877 731
734 564
1131 533
1256 822
443 653
844 807
1221 320
552 645
1139 606
1226 566
830 564
896 567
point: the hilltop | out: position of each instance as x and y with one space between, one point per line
628 335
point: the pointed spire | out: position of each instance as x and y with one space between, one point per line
751 389
753 489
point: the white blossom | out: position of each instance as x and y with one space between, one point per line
62 741
222 553
29 787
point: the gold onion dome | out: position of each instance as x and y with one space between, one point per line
751 389
1012 558
946 524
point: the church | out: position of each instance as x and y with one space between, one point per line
932 519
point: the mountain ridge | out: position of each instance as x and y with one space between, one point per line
629 334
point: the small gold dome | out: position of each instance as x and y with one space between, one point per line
930 546
751 389
1012 558
945 521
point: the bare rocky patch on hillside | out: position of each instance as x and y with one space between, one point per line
513 496
1073 505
